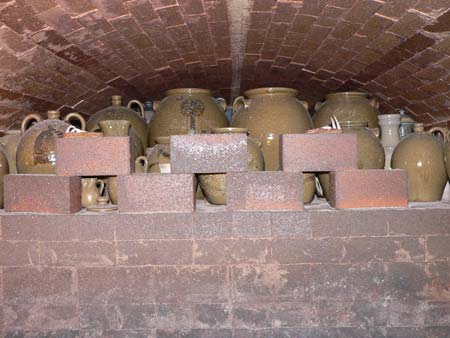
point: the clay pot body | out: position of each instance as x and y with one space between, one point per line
118 112
112 189
4 170
214 185
10 141
422 155
267 113
186 110
309 187
36 149
91 189
390 125
370 151
122 128
447 155
159 156
347 106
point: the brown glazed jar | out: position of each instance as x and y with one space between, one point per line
422 155
10 141
36 151
267 113
347 106
186 110
370 150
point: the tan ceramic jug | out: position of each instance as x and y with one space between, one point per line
370 150
4 170
347 106
10 141
422 155
309 187
91 189
36 149
267 113
186 110
111 185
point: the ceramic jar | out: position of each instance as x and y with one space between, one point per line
4 170
10 141
111 185
309 187
267 113
347 106
186 110
36 149
122 128
422 155
447 155
370 150
159 156
214 185
119 112
406 125
91 189
390 125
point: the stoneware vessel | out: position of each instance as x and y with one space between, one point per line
422 155
119 112
389 125
267 113
91 189
186 110
214 185
111 185
102 205
370 150
10 141
406 125
122 128
4 170
447 155
309 187
36 149
159 156
347 106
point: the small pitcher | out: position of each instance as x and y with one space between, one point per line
91 189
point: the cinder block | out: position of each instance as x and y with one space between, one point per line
265 190
371 188
94 156
208 153
42 193
318 152
156 192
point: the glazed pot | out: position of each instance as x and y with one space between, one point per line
10 141
370 150
159 156
122 128
91 189
347 106
111 185
119 112
447 155
422 155
186 110
267 113
36 149
309 187
214 185
389 125
4 170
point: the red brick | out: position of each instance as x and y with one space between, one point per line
377 188
265 191
208 153
94 156
317 152
50 194
170 192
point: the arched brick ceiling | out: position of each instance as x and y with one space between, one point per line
75 54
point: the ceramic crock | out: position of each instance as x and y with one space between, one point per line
91 189
4 170
36 151
370 150
10 141
347 106
422 155
267 113
309 187
186 110
214 185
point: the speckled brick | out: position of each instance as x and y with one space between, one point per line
265 190
156 192
318 152
42 194
370 188
94 156
208 153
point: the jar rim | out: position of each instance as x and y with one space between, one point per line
353 94
271 90
229 130
177 91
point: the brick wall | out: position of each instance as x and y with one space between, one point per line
319 273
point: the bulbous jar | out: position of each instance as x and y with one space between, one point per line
119 112
214 185
347 106
36 151
309 187
10 141
370 150
4 170
422 155
186 110
267 113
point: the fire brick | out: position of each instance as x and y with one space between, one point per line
42 193
372 188
265 190
94 156
318 152
156 192
208 153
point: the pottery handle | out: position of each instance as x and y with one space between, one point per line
78 117
140 105
375 131
317 106
221 102
141 163
374 103
100 186
304 104
28 119
156 105
239 102
439 130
